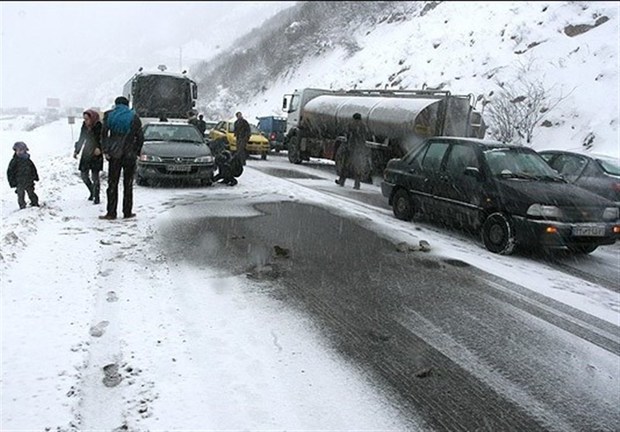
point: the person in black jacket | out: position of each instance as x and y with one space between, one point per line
228 166
21 174
354 157
91 161
201 124
242 135
121 141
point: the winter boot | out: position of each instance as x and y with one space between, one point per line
95 194
92 193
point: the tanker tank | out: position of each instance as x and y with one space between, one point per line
388 117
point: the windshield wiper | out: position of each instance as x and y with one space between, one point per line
552 178
516 175
183 140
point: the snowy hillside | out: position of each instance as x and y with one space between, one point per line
570 48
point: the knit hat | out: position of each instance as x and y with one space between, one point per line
121 100
20 146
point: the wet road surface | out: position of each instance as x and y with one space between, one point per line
461 348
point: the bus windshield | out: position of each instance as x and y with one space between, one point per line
162 96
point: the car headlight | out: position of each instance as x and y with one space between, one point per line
149 158
610 213
204 159
546 211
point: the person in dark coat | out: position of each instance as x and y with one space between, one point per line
91 161
21 174
121 141
192 118
242 136
354 157
228 165
201 124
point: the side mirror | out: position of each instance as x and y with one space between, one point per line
284 104
473 172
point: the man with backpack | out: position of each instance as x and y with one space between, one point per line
121 142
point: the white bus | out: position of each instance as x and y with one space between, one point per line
161 94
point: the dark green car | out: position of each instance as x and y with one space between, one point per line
174 151
508 193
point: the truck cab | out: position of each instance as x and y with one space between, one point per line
274 129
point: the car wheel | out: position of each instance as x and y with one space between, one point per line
294 155
582 249
498 234
402 204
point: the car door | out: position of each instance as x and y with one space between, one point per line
428 174
230 135
569 166
604 182
458 190
219 131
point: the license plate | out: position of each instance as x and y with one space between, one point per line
589 231
179 168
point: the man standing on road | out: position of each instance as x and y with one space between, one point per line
242 135
201 124
192 118
354 156
122 140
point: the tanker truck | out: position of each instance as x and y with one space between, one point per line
397 121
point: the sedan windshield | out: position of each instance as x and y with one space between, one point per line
518 163
174 133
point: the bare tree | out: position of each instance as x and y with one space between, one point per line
520 106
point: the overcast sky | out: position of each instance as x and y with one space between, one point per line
51 48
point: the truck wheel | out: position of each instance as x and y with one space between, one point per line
294 155
498 234
402 205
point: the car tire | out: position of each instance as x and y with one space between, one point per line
498 234
582 249
402 205
294 155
